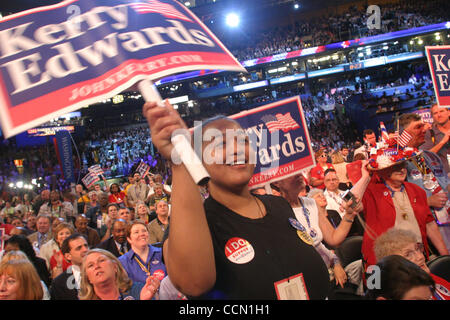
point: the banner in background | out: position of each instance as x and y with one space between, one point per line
425 114
53 61
439 63
279 136
48 131
96 169
64 153
143 169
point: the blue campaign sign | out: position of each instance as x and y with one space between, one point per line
59 58
280 139
439 63
64 145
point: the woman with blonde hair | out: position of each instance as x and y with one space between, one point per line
19 279
143 212
104 278
51 251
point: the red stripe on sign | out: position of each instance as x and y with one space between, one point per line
27 111
294 54
404 138
283 170
443 101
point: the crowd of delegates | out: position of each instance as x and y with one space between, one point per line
55 233
330 28
117 150
112 241
235 218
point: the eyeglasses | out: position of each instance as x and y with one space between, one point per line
398 167
410 254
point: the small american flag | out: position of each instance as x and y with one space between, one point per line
96 169
384 133
404 138
90 179
280 122
143 169
155 6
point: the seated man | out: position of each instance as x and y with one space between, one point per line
81 225
370 141
436 139
158 195
66 285
157 227
56 207
43 233
117 244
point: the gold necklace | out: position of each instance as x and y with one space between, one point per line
260 211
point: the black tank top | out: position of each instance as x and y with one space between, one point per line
251 255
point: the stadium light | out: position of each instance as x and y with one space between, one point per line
187 3
19 184
232 20
296 6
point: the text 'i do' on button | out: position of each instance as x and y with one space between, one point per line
239 251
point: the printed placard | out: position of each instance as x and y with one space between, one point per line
439 63
53 62
279 136
293 288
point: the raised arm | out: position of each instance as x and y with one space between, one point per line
334 237
360 187
192 271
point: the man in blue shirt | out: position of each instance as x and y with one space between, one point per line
427 172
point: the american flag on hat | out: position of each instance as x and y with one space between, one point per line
384 133
404 138
155 6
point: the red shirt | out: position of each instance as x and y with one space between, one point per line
318 173
116 198
380 214
65 263
7 227
442 288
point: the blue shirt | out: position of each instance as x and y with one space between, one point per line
134 270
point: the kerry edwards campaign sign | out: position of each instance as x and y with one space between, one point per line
59 58
279 136
439 63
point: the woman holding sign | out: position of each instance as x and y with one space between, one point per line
234 245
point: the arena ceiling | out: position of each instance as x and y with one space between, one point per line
203 6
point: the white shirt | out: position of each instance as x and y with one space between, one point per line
313 225
326 254
46 251
334 201
77 275
361 150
